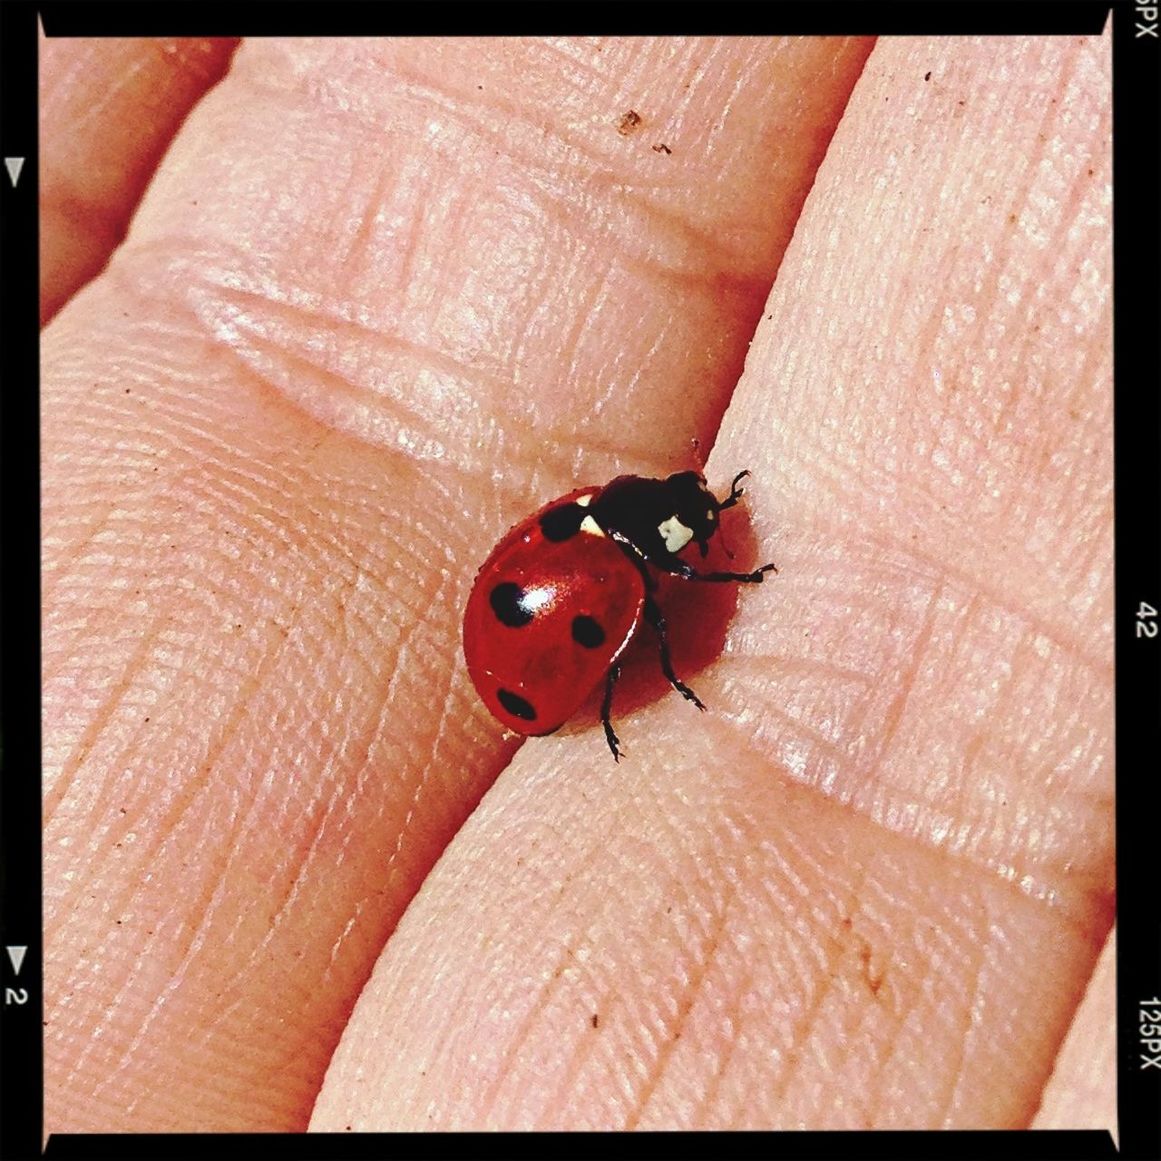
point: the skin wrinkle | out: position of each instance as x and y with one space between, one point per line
537 1013
927 981
975 951
908 1001
199 777
642 1028
582 72
362 778
594 1050
741 743
588 172
357 410
448 716
123 996
750 662
584 1050
540 167
322 813
692 248
989 289
65 568
579 944
187 953
170 434
636 1028
638 375
455 678
694 62
733 722
458 367
709 1098
587 317
355 623
221 1078
732 1019
352 238
1023 654
719 128
804 1026
702 276
402 649
891 1005
703 958
280 552
406 243
290 318
108 786
964 642
907 669
708 289
944 574
58 788
288 900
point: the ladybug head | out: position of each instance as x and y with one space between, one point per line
694 512
659 518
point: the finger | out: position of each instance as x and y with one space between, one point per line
1082 1091
829 901
108 110
361 288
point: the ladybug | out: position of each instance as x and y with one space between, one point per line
562 594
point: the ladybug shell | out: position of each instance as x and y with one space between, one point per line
552 608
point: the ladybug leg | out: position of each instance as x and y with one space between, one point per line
655 618
688 572
670 563
746 578
606 709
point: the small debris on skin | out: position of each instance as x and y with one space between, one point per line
628 123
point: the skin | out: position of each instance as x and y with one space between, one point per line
109 109
382 300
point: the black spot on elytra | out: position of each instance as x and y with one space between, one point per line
586 632
559 524
516 705
509 603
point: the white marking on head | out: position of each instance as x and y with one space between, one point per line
675 534
589 525
584 501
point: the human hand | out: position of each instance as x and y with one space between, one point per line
383 299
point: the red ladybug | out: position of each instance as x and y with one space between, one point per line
557 601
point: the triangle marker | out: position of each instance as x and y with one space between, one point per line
14 165
16 955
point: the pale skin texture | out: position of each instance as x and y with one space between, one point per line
381 301
109 109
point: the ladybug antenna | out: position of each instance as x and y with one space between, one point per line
734 496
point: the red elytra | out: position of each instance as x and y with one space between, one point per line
560 597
